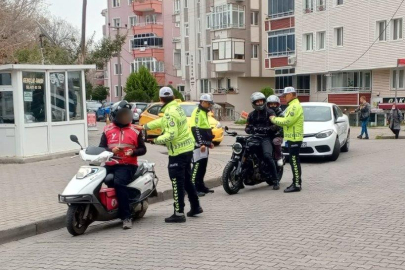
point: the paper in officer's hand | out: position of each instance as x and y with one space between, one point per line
198 155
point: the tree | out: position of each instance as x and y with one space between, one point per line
138 96
176 93
106 49
141 82
89 90
100 93
267 91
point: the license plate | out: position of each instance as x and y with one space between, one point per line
303 145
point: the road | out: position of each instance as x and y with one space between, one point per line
350 215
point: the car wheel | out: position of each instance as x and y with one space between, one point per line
336 151
346 146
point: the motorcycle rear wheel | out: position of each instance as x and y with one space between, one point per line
74 223
229 178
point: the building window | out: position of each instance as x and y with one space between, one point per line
351 81
147 40
308 42
130 2
308 6
116 22
205 85
228 16
255 18
5 79
150 63
397 29
281 42
6 106
339 36
320 5
209 20
321 83
283 82
177 60
255 51
58 98
199 56
116 3
281 8
229 49
117 69
34 97
339 2
381 30
187 59
116 91
186 30
176 6
185 3
397 79
133 20
181 88
75 92
321 40
209 53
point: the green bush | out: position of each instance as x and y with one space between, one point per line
241 122
268 91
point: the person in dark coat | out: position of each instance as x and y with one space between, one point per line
395 118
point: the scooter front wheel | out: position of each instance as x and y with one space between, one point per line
74 219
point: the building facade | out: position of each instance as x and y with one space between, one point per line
150 29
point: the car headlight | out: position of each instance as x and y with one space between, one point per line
237 148
219 125
324 134
84 172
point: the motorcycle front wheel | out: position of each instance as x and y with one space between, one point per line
230 182
74 219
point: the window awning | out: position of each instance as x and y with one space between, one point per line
388 106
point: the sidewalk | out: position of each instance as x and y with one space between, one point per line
29 192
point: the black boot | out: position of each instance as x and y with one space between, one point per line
195 211
207 190
176 218
276 185
200 194
292 188
366 138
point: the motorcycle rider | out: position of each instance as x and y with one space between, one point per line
202 133
124 140
273 103
180 144
258 122
293 127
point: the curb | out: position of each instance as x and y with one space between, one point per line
56 223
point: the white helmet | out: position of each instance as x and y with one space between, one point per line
207 97
255 97
273 99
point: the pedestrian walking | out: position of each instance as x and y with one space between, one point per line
180 144
293 128
395 118
203 136
364 110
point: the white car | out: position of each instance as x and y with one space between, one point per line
326 131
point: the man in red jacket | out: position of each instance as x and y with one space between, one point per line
125 141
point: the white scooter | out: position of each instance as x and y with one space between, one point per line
88 201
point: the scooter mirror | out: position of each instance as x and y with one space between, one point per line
74 138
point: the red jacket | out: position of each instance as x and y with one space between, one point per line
126 138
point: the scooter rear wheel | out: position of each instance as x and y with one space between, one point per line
140 214
74 219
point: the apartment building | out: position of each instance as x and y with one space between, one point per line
220 51
150 29
347 49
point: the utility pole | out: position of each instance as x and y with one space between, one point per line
83 45
117 28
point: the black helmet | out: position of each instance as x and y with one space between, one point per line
118 109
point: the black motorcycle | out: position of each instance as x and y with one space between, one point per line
246 164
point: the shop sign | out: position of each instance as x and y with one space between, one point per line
392 100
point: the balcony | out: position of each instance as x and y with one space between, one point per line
308 10
223 91
144 28
230 66
321 7
300 92
141 6
160 77
157 53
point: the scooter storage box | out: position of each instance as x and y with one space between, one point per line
108 198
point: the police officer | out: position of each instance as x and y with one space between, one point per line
293 127
202 133
180 144
258 122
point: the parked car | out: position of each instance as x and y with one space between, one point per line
152 112
93 105
104 110
137 109
326 131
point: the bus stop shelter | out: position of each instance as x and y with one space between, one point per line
40 107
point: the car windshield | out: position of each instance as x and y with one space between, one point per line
142 107
317 114
189 108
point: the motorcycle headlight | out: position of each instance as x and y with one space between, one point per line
324 134
84 172
237 148
219 125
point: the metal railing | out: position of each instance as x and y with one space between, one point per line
299 91
224 91
321 7
147 23
277 54
308 10
282 14
350 89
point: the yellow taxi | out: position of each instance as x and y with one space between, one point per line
152 112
